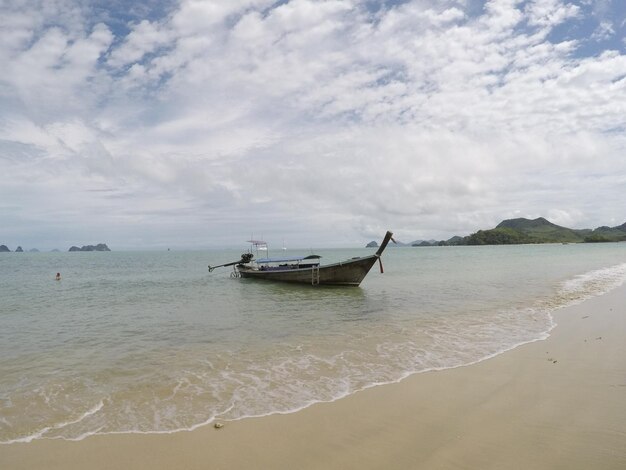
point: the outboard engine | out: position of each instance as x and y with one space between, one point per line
246 258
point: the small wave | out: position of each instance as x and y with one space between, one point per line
42 432
592 284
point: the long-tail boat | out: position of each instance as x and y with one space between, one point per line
307 269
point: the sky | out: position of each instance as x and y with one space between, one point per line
201 123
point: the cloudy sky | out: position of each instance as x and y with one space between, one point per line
196 123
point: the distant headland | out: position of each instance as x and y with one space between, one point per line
98 247
528 231
540 230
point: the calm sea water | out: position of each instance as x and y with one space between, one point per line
153 342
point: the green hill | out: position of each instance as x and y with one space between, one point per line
540 230
498 236
609 233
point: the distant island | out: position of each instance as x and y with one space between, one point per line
540 230
98 247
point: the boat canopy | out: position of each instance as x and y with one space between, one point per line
288 260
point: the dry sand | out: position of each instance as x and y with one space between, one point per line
554 404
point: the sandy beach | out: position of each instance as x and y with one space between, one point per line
558 403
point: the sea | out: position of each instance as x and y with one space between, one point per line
152 342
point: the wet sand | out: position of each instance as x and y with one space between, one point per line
553 404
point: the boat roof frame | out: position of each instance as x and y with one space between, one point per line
290 259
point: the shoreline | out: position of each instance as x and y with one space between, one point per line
553 403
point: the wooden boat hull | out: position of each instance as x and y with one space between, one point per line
346 273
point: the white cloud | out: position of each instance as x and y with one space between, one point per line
550 12
144 38
419 117
58 73
603 31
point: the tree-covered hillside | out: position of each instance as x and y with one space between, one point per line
540 230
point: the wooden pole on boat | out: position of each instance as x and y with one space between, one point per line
245 258
211 268
383 245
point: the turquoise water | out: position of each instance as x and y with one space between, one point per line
153 342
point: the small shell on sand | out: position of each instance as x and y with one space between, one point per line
218 425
